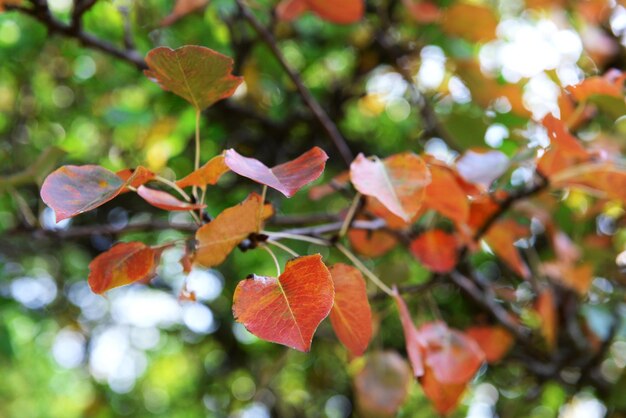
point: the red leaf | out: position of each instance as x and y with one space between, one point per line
382 386
289 309
123 264
445 195
597 86
398 182
565 150
436 249
473 22
495 341
412 338
501 237
71 190
182 8
482 168
423 11
289 10
351 315
219 237
197 74
371 243
453 357
208 174
445 397
165 201
288 177
346 12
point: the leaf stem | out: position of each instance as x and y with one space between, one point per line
259 215
350 215
296 237
283 247
359 264
196 164
271 253
173 186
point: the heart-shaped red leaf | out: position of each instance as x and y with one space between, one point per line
351 315
436 249
208 174
123 264
444 396
346 12
165 201
286 310
71 190
288 177
412 338
197 74
219 237
398 182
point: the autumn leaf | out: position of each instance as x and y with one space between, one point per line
545 307
398 182
453 357
565 150
423 11
445 195
135 177
412 339
473 22
181 9
218 238
4 3
444 397
208 174
436 250
288 177
286 310
338 182
597 85
501 237
494 341
483 167
197 74
605 178
166 201
123 264
382 385
371 243
348 11
71 190
351 316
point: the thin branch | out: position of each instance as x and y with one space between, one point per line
320 114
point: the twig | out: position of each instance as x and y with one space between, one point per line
367 272
327 124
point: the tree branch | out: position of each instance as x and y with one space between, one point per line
327 124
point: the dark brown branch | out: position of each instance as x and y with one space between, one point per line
327 124
41 13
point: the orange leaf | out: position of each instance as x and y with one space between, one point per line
123 264
371 243
436 249
398 182
71 190
165 201
345 12
208 174
351 315
197 74
219 237
182 8
565 150
338 182
546 310
445 397
382 386
289 309
423 11
446 196
135 177
501 237
412 338
597 85
453 357
577 278
288 177
470 21
494 341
